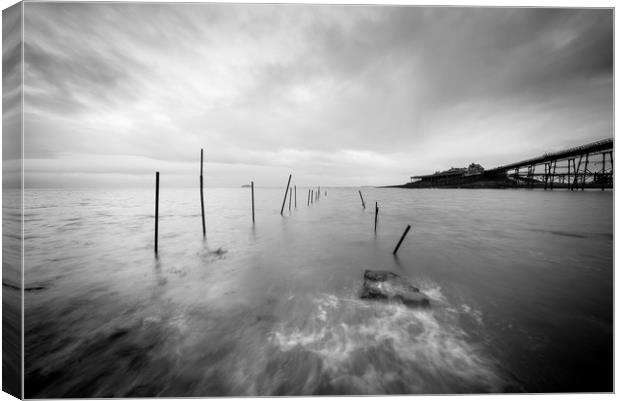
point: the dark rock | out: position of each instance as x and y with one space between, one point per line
380 284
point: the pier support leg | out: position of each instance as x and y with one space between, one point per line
576 172
603 174
568 176
585 171
517 176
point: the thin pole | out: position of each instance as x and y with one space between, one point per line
312 196
290 196
568 177
252 185
401 239
295 196
376 213
285 193
362 198
156 208
308 197
319 193
202 198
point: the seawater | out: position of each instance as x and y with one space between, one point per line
520 281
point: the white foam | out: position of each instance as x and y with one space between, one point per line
414 341
433 292
474 313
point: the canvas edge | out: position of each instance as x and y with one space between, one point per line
12 200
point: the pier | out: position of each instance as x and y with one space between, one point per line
586 166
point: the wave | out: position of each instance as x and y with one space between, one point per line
388 348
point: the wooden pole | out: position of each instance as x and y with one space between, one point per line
156 208
290 196
252 185
376 213
202 198
362 198
295 196
401 239
285 193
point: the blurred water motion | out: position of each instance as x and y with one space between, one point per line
520 282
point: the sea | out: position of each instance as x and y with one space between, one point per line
520 285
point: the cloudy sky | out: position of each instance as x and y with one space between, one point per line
336 95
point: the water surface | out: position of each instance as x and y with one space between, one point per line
520 281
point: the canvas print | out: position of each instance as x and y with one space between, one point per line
220 199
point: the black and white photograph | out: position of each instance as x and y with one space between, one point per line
210 199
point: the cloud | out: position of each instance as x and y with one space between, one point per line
11 95
274 87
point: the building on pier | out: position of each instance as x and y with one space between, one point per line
472 170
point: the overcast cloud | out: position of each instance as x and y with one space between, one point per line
336 95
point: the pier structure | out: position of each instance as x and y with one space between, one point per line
586 166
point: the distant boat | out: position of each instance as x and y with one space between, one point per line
246 186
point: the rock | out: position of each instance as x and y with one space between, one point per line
380 284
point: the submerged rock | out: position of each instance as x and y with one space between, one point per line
381 284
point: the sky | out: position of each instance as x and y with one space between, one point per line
335 95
